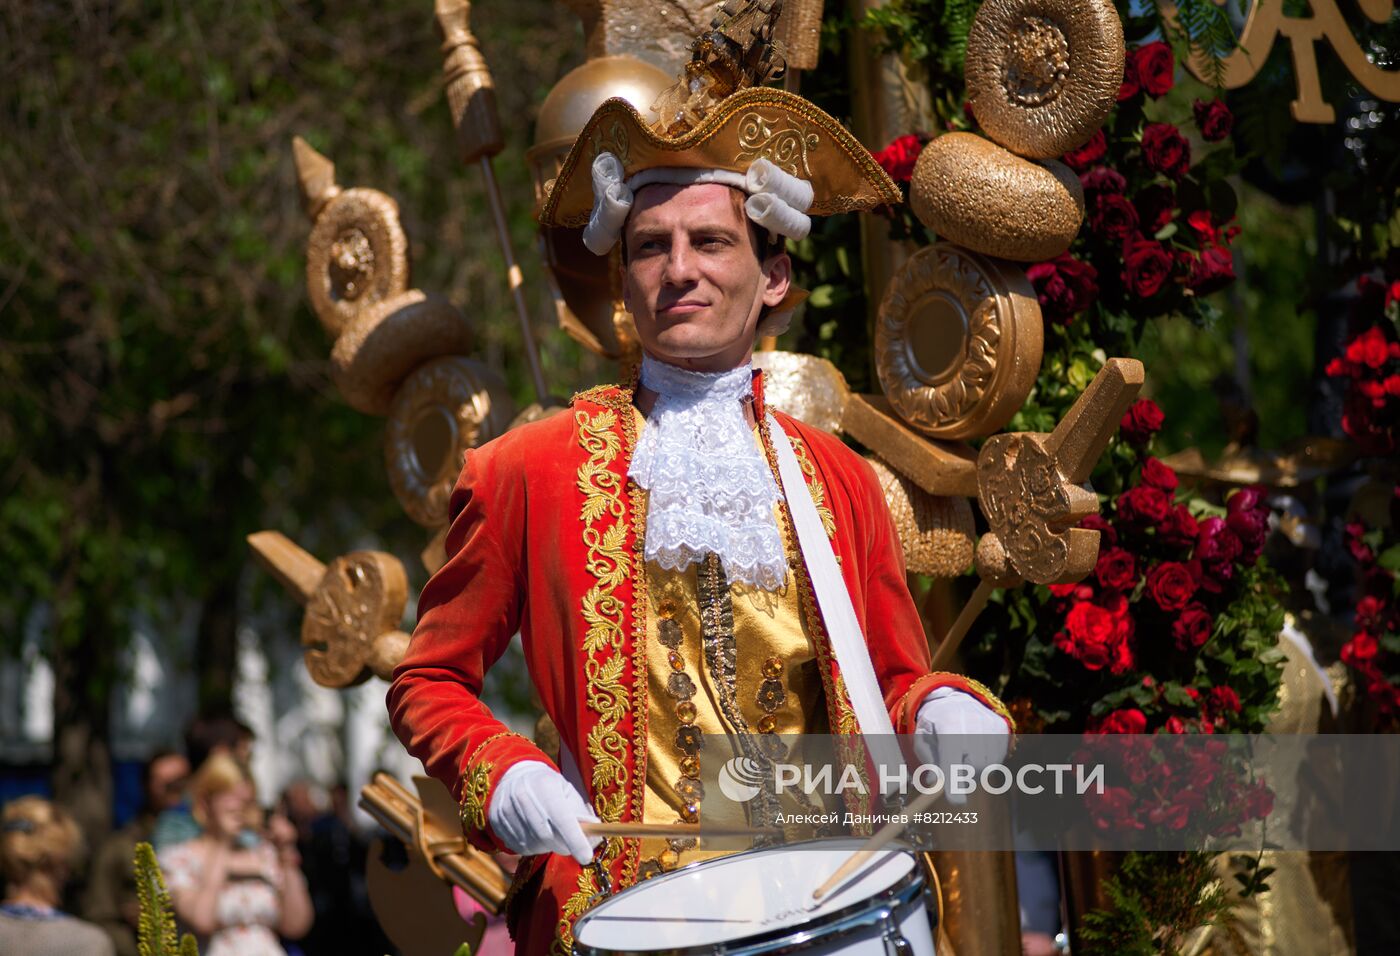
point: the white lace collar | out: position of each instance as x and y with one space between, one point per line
710 487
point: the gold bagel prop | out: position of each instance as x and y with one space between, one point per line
357 256
807 387
957 342
974 193
445 407
937 532
381 346
1043 75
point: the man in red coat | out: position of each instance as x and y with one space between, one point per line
641 543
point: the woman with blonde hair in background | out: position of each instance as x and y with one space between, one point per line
238 889
39 845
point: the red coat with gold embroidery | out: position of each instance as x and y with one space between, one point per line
546 540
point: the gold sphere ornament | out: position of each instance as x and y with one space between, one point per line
973 193
1043 75
958 342
937 532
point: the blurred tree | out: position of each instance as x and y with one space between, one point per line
164 389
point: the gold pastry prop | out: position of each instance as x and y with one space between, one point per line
1032 489
353 608
976 194
958 342
1043 75
936 531
807 387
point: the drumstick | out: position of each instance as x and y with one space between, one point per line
592 828
884 835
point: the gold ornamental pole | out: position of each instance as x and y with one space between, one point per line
471 96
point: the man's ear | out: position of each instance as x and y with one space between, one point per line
777 274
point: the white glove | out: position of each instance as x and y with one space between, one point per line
954 727
535 810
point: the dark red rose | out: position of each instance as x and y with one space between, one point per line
1142 421
1171 585
1174 725
1146 266
1098 523
1116 569
1158 475
1143 506
1216 543
1259 801
1154 65
1087 155
1223 700
1155 205
1249 498
1371 349
1192 627
1130 87
1179 527
1251 527
1165 150
899 157
1211 271
1368 611
1112 216
1128 720
1360 650
1214 120
1089 636
1113 809
1101 179
1064 286
1360 551
1202 223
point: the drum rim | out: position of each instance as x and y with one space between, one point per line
897 896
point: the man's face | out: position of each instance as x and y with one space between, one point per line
693 282
166 781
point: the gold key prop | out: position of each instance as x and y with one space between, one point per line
353 608
1033 488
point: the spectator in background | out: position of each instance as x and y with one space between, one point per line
39 846
207 734
235 887
110 901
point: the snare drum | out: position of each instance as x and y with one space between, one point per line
760 901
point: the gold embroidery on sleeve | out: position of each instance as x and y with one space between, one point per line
814 486
476 790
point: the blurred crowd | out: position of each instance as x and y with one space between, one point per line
246 880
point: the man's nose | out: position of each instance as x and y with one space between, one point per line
681 264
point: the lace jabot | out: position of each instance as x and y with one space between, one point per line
710 487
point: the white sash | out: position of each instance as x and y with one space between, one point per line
834 602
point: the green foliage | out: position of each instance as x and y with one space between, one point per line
1155 895
155 932
1202 29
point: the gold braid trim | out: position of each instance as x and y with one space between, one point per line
604 535
476 786
817 489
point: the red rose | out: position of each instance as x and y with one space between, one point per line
1064 286
1216 543
1128 720
1155 205
1143 506
1192 627
1158 475
1112 216
1154 66
1360 551
1141 421
1210 271
1130 87
1368 611
1087 155
1101 179
1165 150
1371 349
1252 528
1223 699
899 157
1174 725
1116 569
1179 527
1147 266
1097 523
1259 801
1089 635
1171 585
1214 120
1249 498
1360 650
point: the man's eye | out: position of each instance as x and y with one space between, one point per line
711 242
